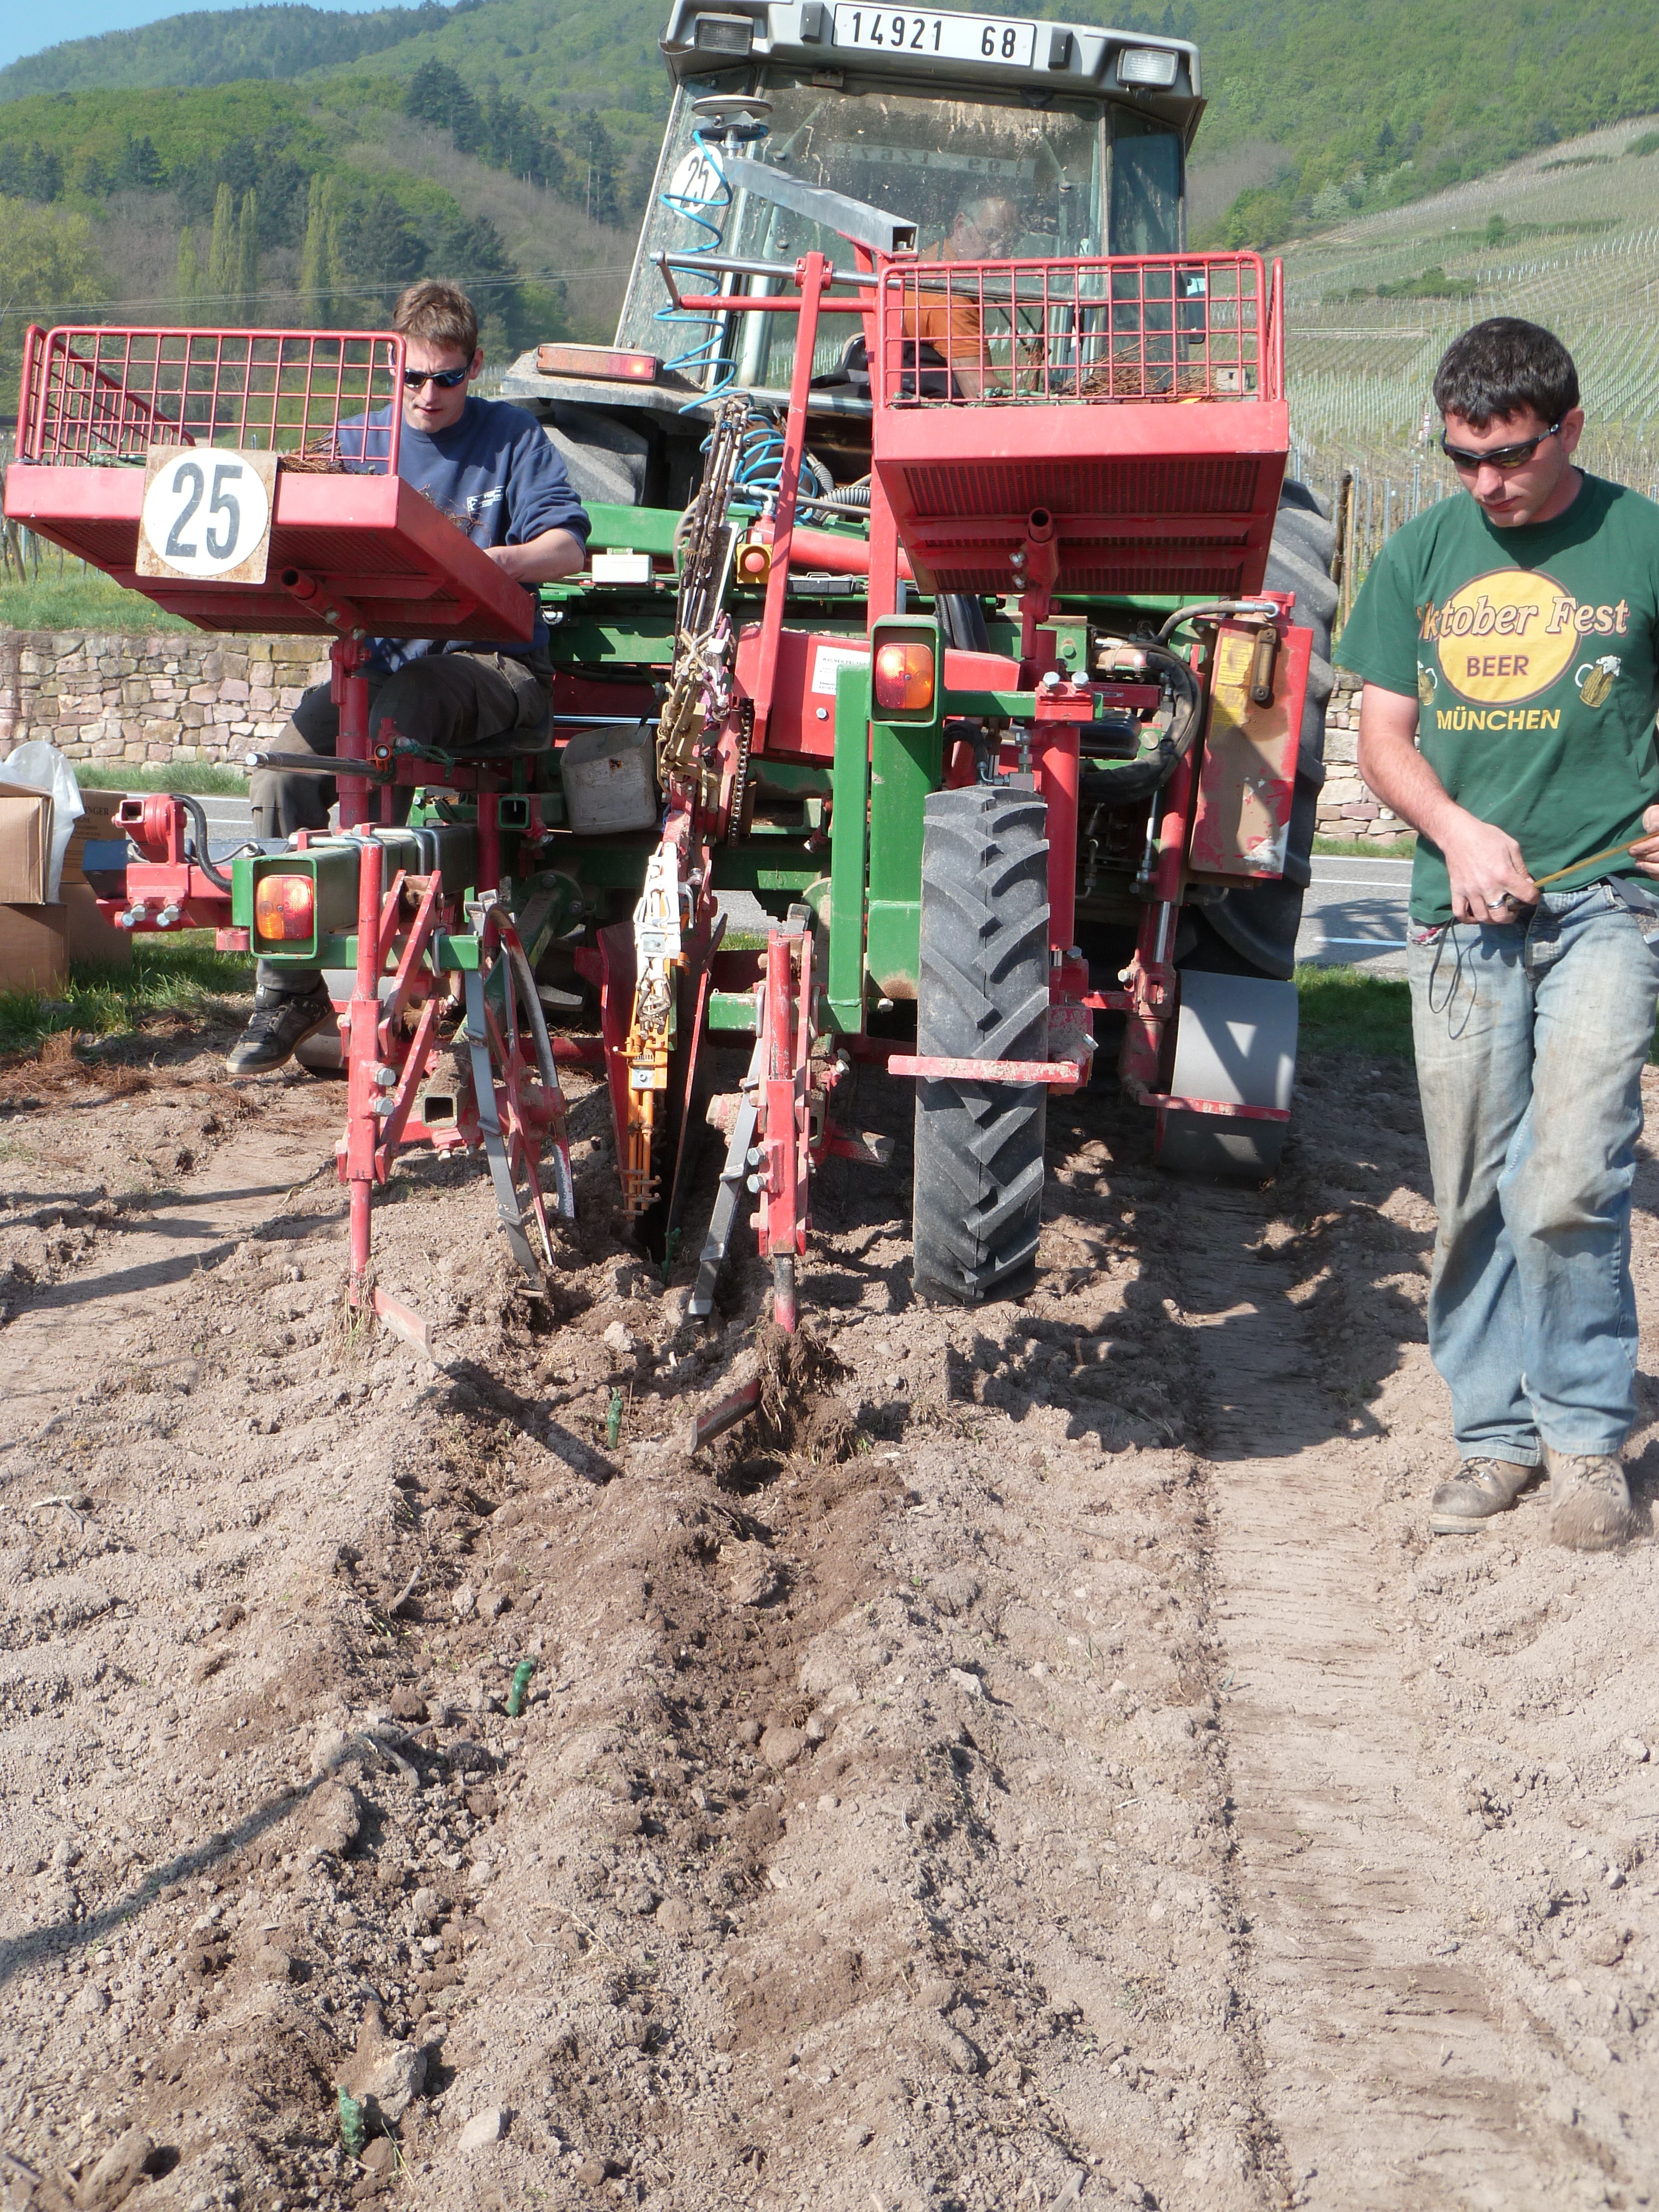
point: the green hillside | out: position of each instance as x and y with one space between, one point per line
216 49
562 59
1375 104
1319 109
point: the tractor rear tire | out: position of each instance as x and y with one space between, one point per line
1254 933
983 995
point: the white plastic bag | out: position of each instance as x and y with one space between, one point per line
39 766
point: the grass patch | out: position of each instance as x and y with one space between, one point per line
82 598
1346 1010
1367 848
181 975
205 778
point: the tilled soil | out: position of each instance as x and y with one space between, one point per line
1042 1760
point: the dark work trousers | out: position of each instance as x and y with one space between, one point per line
446 702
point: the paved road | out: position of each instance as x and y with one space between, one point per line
1354 914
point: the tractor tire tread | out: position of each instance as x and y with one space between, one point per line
983 995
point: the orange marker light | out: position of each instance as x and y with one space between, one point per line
904 676
285 908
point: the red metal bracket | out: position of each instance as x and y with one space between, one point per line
402 1099
420 933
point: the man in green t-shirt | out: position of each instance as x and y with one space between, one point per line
1509 640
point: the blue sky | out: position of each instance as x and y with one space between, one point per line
20 24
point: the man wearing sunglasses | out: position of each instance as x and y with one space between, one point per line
488 466
1507 641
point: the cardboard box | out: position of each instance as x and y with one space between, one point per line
87 936
95 827
37 943
25 844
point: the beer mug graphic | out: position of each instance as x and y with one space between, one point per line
1425 685
1596 679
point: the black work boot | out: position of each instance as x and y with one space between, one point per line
281 1020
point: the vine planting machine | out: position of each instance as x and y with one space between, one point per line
945 597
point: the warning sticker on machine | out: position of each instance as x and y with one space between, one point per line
1235 651
828 661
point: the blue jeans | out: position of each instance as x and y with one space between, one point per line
1531 1038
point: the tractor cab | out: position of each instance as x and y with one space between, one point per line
979 135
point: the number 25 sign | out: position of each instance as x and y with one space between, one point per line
207 515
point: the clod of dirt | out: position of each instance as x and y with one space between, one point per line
782 1747
388 2076
332 1746
335 1819
117 2173
756 1576
481 2131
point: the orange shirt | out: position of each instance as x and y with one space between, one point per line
951 321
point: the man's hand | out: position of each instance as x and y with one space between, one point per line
1489 877
1646 853
555 553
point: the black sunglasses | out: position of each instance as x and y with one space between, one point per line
1498 457
447 378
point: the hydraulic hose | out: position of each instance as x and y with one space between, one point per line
1120 783
198 814
706 352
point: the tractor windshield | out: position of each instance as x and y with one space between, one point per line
982 179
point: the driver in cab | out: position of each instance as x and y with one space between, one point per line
945 333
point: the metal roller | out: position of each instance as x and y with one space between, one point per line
1236 1043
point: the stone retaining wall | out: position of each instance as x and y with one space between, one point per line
173 695
1346 808
184 696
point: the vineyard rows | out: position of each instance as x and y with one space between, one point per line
1579 250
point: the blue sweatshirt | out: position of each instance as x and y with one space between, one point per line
498 477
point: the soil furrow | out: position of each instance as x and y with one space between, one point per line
1046 1766
1399 2064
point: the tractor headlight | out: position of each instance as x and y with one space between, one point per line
1151 66
729 36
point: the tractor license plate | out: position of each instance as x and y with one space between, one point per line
956 38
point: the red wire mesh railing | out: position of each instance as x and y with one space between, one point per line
102 397
1184 327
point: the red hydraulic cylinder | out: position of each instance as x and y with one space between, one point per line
1055 758
832 555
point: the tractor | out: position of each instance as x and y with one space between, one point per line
948 616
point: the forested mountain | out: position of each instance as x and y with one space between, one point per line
273 203
218 49
1318 107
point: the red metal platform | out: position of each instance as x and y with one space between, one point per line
1138 402
352 548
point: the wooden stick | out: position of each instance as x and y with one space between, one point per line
1613 852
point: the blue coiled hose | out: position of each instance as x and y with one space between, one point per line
699 211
